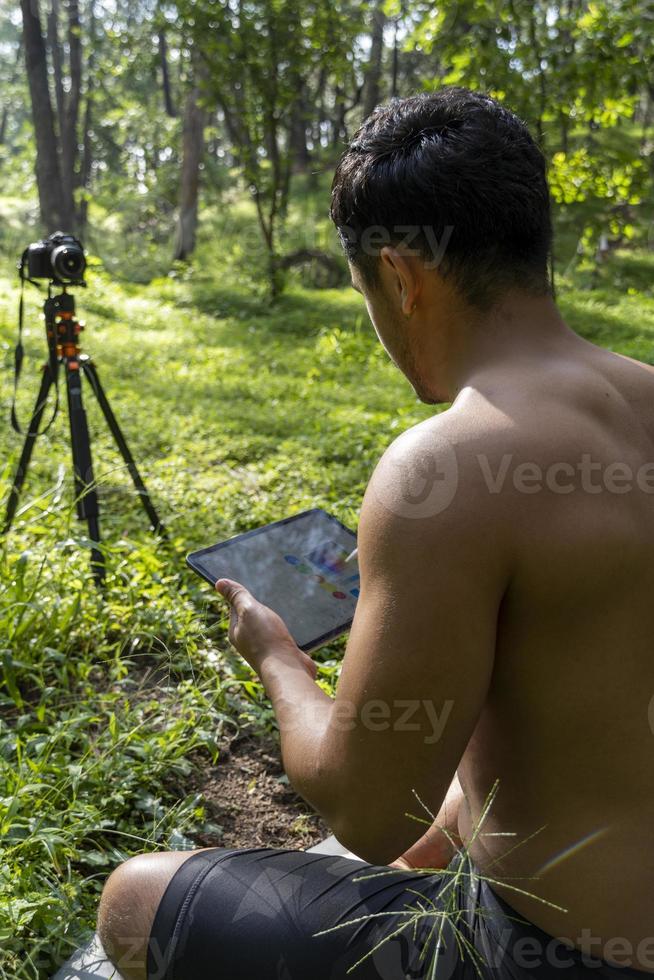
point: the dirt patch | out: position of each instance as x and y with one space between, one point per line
248 798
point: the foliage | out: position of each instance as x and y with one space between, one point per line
283 86
256 59
573 71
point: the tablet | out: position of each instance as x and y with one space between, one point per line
297 567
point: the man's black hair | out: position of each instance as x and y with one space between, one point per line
452 169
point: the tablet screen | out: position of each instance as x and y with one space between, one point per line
297 567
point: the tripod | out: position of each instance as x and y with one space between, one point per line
62 333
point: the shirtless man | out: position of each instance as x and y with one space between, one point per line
504 629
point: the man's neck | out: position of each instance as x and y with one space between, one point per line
520 329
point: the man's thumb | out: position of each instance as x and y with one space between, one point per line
232 591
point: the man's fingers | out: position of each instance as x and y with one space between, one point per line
402 863
310 664
233 623
234 592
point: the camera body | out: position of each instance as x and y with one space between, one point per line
59 257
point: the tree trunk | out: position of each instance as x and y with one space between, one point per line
193 146
298 131
70 146
87 149
564 124
542 84
5 110
339 131
67 98
57 57
648 98
395 59
54 214
372 86
165 76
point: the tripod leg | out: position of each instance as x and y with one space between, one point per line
47 380
94 380
85 492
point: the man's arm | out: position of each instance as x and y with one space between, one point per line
415 672
416 669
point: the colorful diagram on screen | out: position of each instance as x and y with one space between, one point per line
327 566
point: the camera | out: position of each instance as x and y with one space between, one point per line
59 258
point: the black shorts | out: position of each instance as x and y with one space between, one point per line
264 914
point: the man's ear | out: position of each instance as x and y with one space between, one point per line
404 277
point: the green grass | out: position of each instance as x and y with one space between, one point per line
238 414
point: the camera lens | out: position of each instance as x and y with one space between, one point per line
68 262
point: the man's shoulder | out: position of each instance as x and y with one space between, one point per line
439 468
462 433
429 497
648 368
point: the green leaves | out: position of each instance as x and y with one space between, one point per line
578 75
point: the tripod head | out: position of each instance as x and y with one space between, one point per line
61 326
62 330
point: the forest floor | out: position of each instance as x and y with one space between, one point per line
246 794
126 722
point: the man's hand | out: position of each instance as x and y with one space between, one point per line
436 848
288 675
432 851
257 631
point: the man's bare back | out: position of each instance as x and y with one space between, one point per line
567 724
